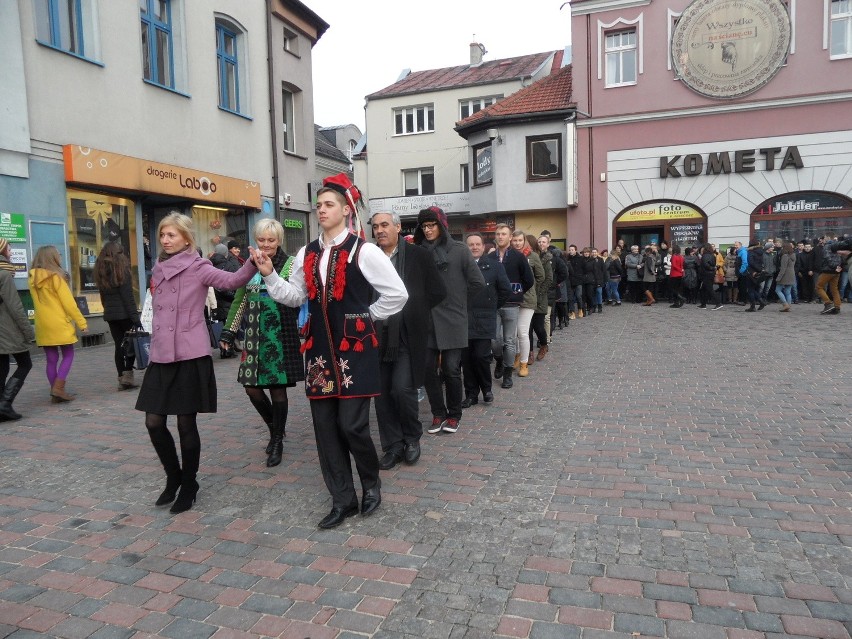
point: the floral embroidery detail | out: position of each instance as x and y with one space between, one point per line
346 381
317 374
343 364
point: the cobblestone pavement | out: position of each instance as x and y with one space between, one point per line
671 473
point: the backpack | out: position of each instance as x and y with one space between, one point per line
830 259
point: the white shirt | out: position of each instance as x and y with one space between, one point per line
372 261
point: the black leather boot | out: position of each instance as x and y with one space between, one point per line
165 447
10 391
188 485
279 421
507 378
498 367
264 409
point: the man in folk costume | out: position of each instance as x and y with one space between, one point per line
339 273
402 349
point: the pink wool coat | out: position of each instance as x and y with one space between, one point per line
179 286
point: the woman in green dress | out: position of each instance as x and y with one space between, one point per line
271 358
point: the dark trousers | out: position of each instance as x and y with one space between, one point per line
636 290
806 287
117 329
676 287
476 364
396 408
708 291
537 330
450 376
341 428
25 365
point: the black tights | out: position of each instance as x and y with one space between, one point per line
261 402
187 430
24 362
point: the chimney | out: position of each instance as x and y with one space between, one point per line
476 52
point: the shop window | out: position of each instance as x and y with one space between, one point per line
67 25
483 172
544 157
231 57
94 220
841 29
475 105
411 120
621 58
217 225
419 181
157 42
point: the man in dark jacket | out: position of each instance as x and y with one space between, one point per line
224 260
401 348
517 268
833 256
560 274
482 324
575 278
805 268
447 337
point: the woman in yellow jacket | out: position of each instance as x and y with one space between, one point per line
56 313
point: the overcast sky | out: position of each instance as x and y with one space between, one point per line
370 42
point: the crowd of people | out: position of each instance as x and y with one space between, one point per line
355 321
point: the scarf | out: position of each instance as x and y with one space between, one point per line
439 253
390 330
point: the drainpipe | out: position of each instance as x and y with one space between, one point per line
591 129
273 120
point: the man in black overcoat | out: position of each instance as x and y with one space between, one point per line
402 343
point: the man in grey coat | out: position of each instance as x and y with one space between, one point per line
447 335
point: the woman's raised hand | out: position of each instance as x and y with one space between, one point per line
261 261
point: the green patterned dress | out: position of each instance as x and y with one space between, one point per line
271 355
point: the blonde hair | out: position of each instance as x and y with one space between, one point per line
269 225
183 224
48 258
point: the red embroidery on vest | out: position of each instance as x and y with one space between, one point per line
344 345
359 325
310 274
340 275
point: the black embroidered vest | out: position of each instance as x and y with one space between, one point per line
341 346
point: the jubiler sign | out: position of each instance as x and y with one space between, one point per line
746 161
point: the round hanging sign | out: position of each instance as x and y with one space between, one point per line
730 48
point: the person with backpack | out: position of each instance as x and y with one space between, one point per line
831 264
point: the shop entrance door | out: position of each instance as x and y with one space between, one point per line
641 236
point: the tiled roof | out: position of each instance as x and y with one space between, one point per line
326 148
488 72
551 93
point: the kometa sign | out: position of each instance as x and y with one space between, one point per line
717 163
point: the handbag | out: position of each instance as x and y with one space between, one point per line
146 317
138 343
719 278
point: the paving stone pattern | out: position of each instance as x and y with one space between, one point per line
662 473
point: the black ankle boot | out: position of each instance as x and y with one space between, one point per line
168 495
279 420
264 409
188 485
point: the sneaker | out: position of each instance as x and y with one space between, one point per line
572 315
835 310
450 425
421 394
437 424
717 307
826 309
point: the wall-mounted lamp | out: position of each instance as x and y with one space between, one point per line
494 134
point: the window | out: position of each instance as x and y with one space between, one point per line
484 172
291 41
414 120
621 58
67 25
841 28
231 57
291 99
350 151
544 157
157 54
419 181
464 177
469 107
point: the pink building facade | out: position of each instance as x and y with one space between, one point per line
711 120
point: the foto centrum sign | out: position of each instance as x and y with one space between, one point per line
657 211
13 227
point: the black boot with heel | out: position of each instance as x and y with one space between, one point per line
188 485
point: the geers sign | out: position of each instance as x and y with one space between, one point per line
743 162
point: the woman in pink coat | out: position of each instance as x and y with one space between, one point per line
180 379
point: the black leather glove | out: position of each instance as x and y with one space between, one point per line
227 337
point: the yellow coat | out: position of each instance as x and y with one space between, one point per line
56 311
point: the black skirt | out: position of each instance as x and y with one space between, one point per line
179 388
